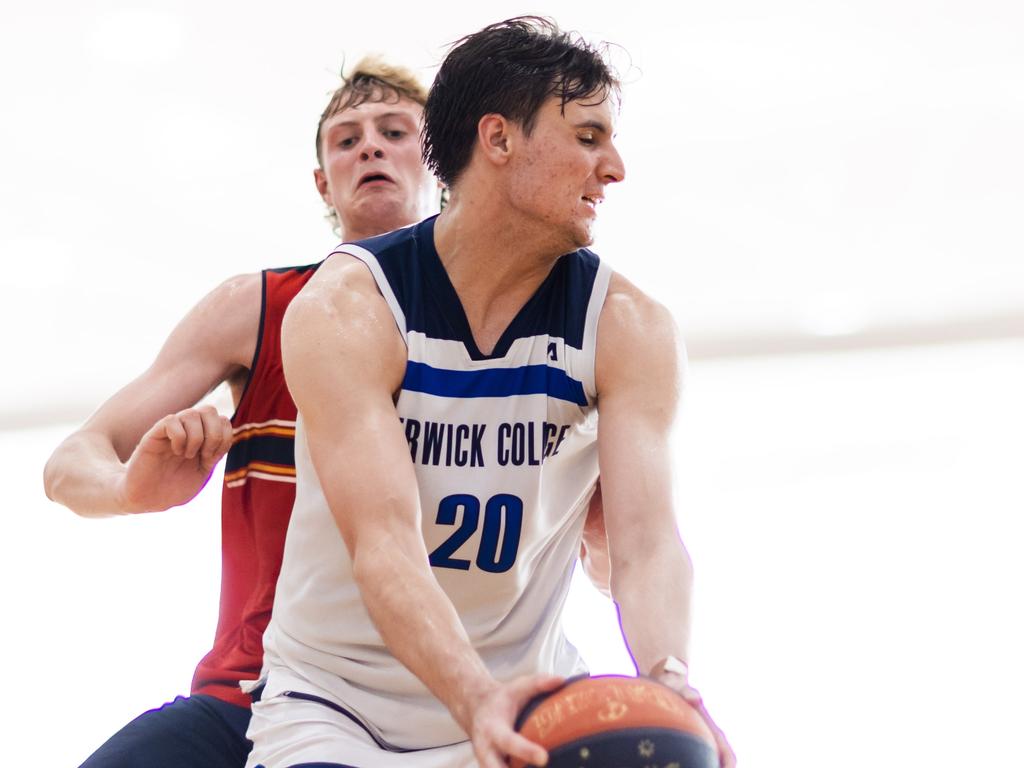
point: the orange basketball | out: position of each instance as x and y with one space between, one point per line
617 722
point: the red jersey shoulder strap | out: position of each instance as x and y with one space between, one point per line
279 287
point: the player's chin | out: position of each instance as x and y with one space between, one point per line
385 212
583 235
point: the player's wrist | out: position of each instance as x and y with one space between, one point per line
670 666
118 484
472 695
125 489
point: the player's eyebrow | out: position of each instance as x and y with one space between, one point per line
378 118
392 115
597 125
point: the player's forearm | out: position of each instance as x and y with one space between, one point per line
653 596
420 626
85 474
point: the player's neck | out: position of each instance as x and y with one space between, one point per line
494 265
484 244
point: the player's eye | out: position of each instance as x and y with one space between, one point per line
348 142
394 134
587 138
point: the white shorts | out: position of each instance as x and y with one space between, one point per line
292 732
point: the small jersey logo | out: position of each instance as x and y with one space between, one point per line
552 351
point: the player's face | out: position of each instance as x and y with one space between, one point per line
372 174
568 161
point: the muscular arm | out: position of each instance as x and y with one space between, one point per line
344 359
639 381
141 451
639 378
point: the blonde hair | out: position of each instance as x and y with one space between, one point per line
371 79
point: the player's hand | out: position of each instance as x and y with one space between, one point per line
492 728
679 683
174 459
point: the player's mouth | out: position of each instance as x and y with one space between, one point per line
374 179
593 201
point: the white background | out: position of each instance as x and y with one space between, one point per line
837 184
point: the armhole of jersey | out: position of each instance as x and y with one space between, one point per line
259 345
383 285
597 297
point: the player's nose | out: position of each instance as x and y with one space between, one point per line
371 146
613 168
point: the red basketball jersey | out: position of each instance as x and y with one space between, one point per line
259 490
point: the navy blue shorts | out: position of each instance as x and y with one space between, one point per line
198 731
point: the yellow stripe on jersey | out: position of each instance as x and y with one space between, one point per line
261 470
256 431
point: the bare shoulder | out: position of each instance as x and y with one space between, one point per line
639 349
340 318
239 298
338 282
223 326
342 295
632 320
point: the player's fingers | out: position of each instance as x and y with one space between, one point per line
192 421
174 431
517 745
227 435
693 698
213 433
726 757
225 438
487 756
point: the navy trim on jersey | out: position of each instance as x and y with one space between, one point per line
410 263
494 382
300 270
342 711
259 343
272 449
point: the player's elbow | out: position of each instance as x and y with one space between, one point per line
373 570
57 481
51 476
384 561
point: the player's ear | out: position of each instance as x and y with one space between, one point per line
493 138
320 179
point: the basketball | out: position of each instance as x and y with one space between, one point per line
617 722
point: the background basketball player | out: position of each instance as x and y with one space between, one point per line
147 448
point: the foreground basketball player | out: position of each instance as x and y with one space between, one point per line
448 378
131 456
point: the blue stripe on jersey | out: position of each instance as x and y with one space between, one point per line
494 382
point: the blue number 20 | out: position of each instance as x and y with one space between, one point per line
503 511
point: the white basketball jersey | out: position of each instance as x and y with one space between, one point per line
505 454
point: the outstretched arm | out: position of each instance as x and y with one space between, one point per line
147 448
639 379
344 360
